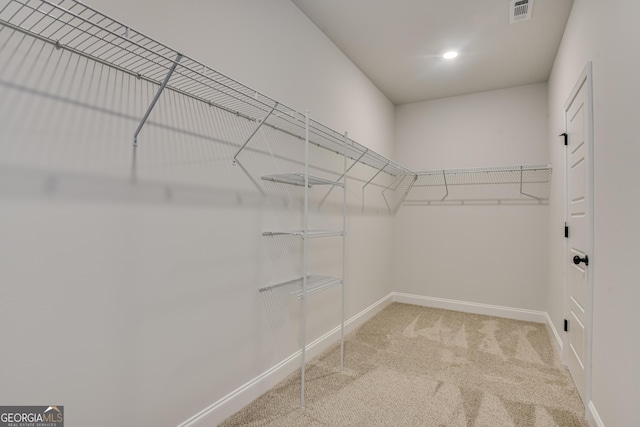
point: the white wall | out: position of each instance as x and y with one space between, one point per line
143 299
600 32
478 253
136 300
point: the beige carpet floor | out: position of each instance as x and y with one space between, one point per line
419 366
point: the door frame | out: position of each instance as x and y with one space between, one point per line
586 80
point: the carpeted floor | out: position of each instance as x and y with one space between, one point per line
419 366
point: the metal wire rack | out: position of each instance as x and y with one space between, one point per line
520 183
315 284
78 28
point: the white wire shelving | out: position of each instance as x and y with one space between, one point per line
308 234
308 284
298 179
315 284
81 29
530 183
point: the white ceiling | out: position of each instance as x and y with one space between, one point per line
398 44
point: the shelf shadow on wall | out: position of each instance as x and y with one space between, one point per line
27 184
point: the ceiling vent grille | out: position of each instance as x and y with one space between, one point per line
520 10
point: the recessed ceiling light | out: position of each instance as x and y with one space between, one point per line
450 55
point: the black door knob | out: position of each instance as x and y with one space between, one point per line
577 260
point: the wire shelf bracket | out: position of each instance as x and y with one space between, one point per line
260 123
522 183
155 98
446 185
369 182
355 162
397 183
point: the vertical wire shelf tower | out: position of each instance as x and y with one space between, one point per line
310 284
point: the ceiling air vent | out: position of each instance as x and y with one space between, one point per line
520 10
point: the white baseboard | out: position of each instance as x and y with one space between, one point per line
247 393
472 307
557 341
593 418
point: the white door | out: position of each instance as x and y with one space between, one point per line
578 300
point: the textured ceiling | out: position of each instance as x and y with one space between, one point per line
399 44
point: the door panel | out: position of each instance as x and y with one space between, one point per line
577 341
577 286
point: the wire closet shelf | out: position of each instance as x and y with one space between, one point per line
78 28
530 183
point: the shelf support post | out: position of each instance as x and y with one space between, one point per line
155 99
305 257
260 123
344 248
